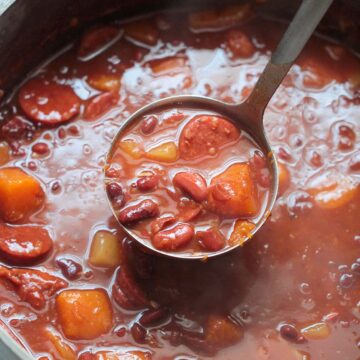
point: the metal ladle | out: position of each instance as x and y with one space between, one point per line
248 115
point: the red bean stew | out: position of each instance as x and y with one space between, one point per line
73 286
187 181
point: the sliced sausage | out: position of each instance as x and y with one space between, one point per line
205 135
48 102
24 244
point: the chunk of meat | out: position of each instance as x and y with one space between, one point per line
174 238
48 102
84 314
233 193
16 186
96 40
32 286
206 135
24 244
221 332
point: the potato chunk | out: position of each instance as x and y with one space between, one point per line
105 250
20 194
233 193
166 152
242 230
84 314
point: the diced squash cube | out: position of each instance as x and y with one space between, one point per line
84 314
242 230
4 153
219 18
166 152
104 82
284 178
233 193
20 194
62 347
105 250
332 189
318 331
132 148
143 31
221 332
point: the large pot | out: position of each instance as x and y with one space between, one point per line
31 30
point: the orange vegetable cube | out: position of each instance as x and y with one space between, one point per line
20 194
221 332
132 148
332 189
166 152
104 82
233 193
4 153
242 230
284 178
84 314
62 347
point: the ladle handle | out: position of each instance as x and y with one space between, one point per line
297 34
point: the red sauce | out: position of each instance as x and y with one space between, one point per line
292 292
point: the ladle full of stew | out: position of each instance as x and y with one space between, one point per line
194 177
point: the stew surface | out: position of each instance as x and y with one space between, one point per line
74 287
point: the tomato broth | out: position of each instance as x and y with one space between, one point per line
73 286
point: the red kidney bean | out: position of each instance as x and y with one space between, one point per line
222 191
138 333
69 268
24 244
147 183
211 239
151 316
346 137
191 183
121 331
143 210
148 124
162 223
174 238
40 148
116 194
290 333
55 187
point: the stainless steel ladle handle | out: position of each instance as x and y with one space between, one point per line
293 41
